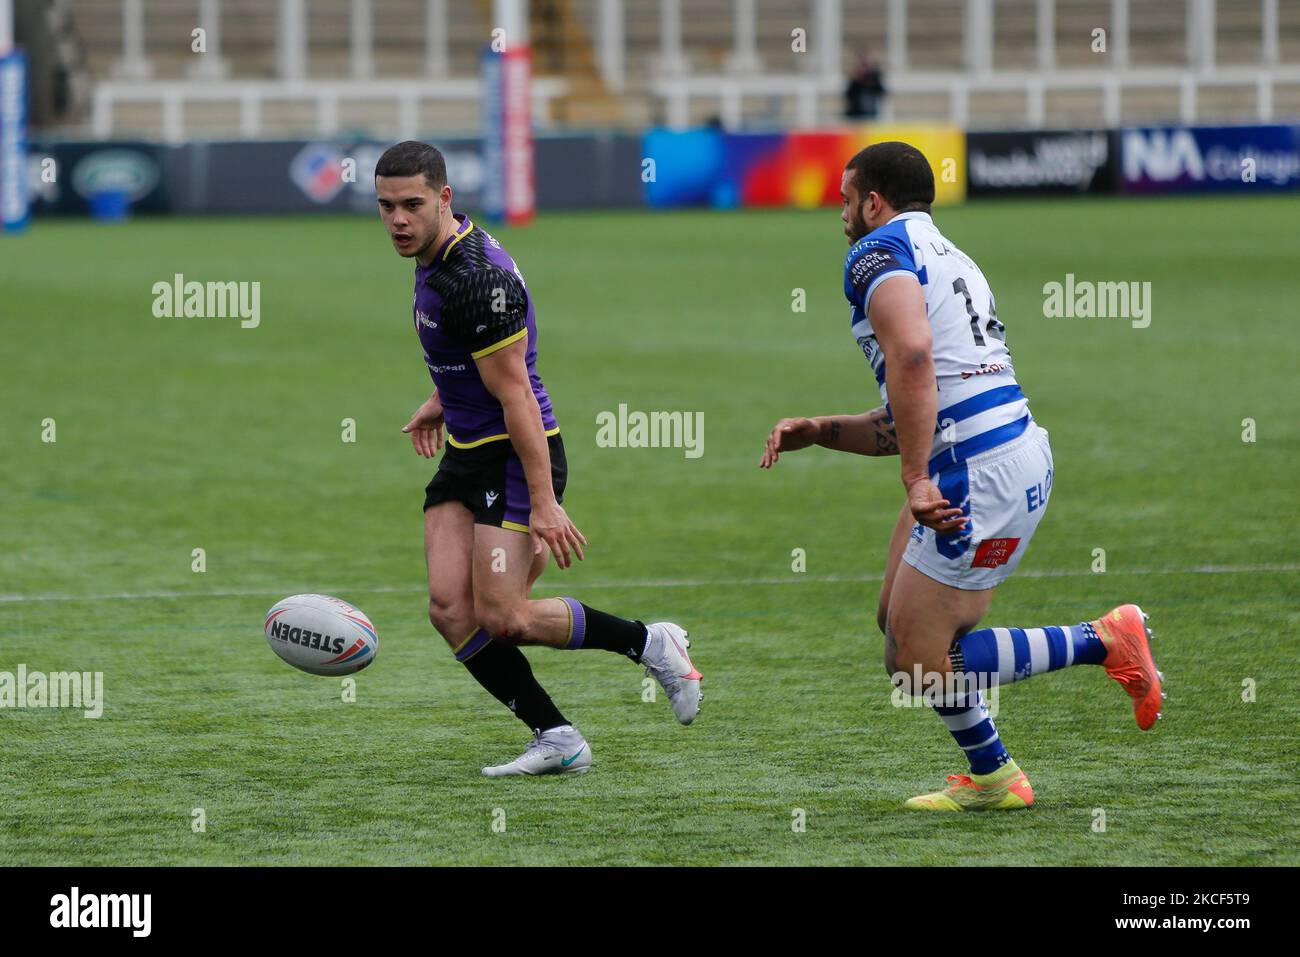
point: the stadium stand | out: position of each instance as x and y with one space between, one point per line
392 67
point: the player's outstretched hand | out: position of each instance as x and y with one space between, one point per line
931 509
425 427
551 528
788 435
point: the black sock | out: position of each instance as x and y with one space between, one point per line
504 671
596 629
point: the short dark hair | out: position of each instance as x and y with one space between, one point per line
897 171
410 158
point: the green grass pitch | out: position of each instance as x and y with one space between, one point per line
176 434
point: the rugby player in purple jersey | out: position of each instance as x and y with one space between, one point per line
492 513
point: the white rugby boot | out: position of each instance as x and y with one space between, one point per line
665 658
561 750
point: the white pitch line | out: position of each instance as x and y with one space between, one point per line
793 578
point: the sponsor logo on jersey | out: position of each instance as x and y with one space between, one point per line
993 552
988 368
1036 495
870 264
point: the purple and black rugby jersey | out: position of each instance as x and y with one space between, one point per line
470 302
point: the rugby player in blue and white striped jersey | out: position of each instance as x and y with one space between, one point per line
977 470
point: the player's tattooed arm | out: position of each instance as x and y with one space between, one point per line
871 433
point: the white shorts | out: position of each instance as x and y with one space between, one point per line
1005 492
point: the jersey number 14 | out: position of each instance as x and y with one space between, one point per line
994 328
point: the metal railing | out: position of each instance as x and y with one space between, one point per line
805 90
172 97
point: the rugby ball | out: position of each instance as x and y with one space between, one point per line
321 634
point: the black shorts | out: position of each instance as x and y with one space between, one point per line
489 480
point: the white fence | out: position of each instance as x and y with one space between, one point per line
172 97
729 92
1114 75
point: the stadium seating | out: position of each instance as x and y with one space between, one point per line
929 81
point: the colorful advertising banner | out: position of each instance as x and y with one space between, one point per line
509 190
141 174
802 168
13 141
1041 162
1169 159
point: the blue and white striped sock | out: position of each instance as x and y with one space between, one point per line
1003 655
967 718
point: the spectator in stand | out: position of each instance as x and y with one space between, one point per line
864 91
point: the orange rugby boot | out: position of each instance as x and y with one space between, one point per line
1126 636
